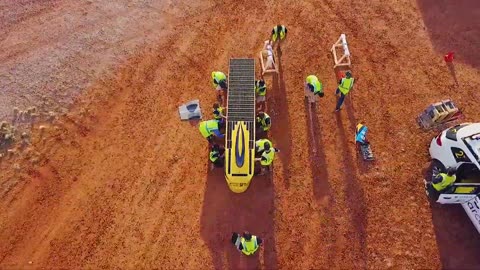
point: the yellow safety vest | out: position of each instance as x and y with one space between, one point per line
263 122
249 247
268 156
260 144
207 127
260 90
346 85
217 113
317 85
217 77
278 31
446 182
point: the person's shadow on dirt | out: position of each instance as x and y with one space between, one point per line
355 198
281 130
224 212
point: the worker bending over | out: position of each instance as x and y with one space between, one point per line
211 128
260 145
361 134
217 155
442 181
313 88
248 244
279 32
220 83
344 87
263 122
218 112
267 155
261 90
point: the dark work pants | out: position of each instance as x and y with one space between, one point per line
340 100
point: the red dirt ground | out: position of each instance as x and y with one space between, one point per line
122 183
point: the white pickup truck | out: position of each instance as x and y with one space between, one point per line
458 147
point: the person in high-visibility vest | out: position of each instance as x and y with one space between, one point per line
313 87
344 87
216 155
443 181
218 112
263 121
219 80
279 32
261 90
267 156
260 145
211 128
248 244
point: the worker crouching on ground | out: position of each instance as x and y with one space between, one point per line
361 134
210 129
217 156
261 90
267 154
313 88
344 87
220 83
218 112
263 122
279 32
248 244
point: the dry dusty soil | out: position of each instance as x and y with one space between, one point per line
116 180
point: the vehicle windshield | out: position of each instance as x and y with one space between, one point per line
473 144
452 132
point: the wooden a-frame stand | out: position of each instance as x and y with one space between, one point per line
266 69
344 60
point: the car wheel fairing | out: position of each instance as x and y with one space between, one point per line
436 167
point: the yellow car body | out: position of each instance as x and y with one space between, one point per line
239 155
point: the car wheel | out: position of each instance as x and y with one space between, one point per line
436 167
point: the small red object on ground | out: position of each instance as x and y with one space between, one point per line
449 57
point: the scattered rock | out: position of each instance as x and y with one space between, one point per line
34 160
389 262
16 167
51 116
